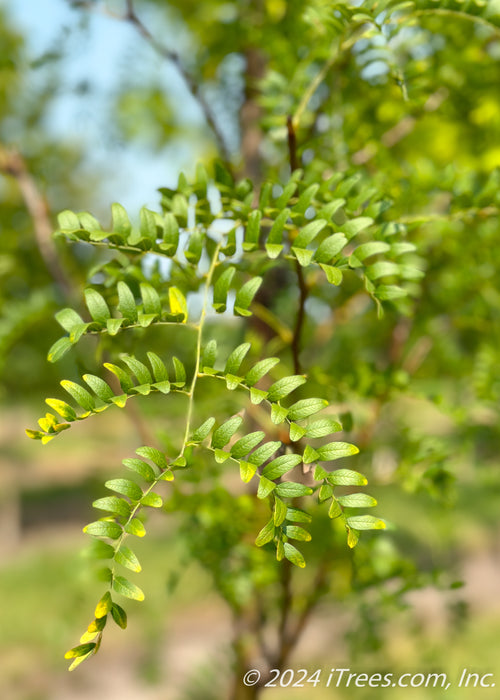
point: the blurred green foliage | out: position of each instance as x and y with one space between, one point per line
404 95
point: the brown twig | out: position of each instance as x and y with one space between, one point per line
292 143
192 85
14 165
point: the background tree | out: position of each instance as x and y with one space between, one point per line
381 102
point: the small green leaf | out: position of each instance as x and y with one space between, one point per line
127 558
295 515
170 235
354 226
99 387
305 199
325 492
265 487
289 489
209 354
296 432
179 371
203 431
236 358
281 465
333 274
384 268
119 615
293 555
113 504
322 427
150 299
346 477
366 250
137 465
124 587
62 408
330 247
310 455
357 500
278 413
260 370
97 306
294 532
151 499
113 325
308 233
305 408
79 394
195 247
158 366
335 450
252 232
121 222
285 386
352 537
103 606
263 453
335 510
155 455
275 237
257 396
245 295
125 487
280 511
366 522
221 289
147 224
126 302
247 471
224 432
80 650
59 349
69 319
266 534
103 528
138 368
135 527
178 303
246 444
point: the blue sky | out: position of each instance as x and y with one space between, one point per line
105 51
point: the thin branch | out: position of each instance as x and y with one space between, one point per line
192 85
292 143
13 164
301 315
